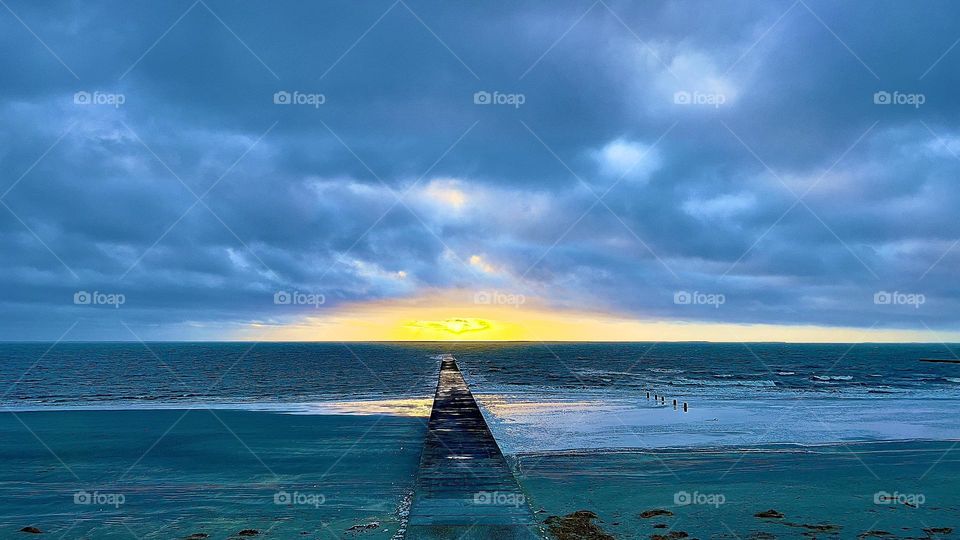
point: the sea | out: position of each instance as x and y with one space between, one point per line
607 440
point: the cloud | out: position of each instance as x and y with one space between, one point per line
446 193
631 160
199 197
719 207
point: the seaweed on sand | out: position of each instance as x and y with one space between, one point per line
647 514
578 525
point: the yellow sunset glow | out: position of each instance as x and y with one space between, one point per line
446 192
464 316
479 262
454 326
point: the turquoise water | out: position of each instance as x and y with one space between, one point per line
826 492
173 473
168 440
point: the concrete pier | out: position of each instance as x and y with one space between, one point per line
464 486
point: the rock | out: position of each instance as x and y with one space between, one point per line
819 527
672 535
248 532
364 527
647 514
824 527
761 535
938 530
578 525
31 530
874 534
769 514
660 526
197 536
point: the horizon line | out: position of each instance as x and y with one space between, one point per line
533 341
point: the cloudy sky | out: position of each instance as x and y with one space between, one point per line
213 169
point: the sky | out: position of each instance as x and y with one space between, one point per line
216 170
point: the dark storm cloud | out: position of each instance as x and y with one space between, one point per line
296 197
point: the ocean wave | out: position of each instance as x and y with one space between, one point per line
409 407
811 447
600 372
763 383
832 378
